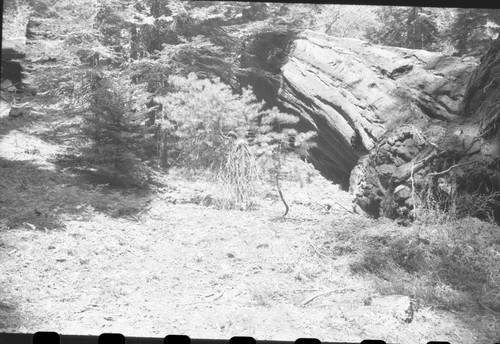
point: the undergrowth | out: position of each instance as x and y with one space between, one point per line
238 178
454 265
445 199
207 128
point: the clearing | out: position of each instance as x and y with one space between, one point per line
81 258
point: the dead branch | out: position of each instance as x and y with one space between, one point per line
472 143
449 169
321 294
491 310
218 296
202 271
340 205
315 249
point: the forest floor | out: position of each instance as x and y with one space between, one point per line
81 258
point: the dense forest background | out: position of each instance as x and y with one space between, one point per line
126 66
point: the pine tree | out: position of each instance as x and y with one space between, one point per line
206 126
408 27
112 133
473 29
422 30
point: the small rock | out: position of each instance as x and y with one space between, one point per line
409 203
402 192
402 211
230 255
7 86
17 112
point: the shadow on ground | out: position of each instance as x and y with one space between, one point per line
9 313
42 199
39 199
43 185
43 179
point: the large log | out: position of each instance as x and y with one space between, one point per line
352 93
394 125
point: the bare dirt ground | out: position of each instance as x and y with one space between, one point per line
79 258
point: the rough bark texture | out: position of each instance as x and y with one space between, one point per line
446 165
394 123
352 93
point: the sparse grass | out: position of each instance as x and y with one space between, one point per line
238 178
452 265
440 208
478 205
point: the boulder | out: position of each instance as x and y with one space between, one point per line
402 193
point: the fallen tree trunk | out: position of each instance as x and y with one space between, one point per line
352 93
403 129
453 170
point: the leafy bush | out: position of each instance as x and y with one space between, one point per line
198 119
206 126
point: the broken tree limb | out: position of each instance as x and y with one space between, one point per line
450 168
321 294
315 249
